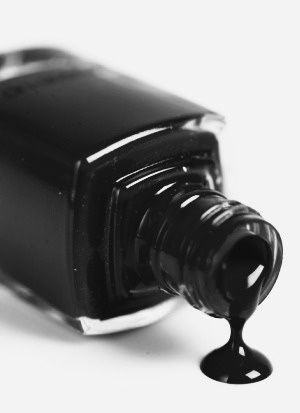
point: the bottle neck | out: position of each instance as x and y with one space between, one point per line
196 243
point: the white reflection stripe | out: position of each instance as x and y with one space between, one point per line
189 200
124 142
147 176
254 276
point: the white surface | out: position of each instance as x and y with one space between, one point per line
241 59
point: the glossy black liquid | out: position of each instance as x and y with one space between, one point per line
235 362
242 275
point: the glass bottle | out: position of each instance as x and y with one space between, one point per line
111 197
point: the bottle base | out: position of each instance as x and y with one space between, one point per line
86 325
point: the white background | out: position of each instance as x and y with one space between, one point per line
240 58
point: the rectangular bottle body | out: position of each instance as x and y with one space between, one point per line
70 133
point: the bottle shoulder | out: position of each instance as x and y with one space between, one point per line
82 108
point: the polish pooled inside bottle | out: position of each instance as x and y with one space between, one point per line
242 275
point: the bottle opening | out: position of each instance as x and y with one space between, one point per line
245 264
213 251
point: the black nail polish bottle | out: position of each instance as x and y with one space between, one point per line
111 197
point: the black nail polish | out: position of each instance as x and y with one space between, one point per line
112 204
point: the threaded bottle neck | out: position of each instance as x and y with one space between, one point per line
193 241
